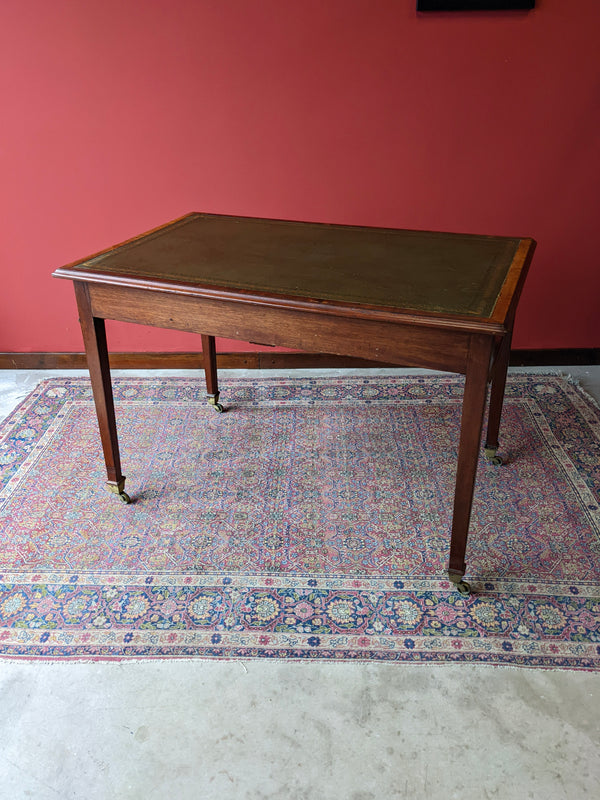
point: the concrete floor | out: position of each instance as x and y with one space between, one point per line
295 731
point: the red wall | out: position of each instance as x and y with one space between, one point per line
117 116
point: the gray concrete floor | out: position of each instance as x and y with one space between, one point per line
294 731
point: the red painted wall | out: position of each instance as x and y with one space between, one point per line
118 116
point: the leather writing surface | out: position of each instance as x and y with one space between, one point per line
387 268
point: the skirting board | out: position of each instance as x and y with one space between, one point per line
266 360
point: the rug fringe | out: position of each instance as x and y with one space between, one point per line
576 383
117 661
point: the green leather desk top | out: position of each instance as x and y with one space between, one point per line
386 268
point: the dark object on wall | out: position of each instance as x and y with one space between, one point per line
473 5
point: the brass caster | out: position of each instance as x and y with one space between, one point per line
461 586
118 489
490 454
213 400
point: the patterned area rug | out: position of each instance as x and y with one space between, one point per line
309 521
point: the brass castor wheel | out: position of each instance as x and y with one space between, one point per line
461 586
117 488
490 454
213 400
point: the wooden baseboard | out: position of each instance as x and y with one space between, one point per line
266 360
582 356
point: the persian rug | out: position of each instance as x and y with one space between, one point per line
309 521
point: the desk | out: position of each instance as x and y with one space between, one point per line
413 298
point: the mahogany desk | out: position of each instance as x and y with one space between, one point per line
412 298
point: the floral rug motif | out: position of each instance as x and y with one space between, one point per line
309 521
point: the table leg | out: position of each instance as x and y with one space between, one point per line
478 366
94 337
497 400
209 356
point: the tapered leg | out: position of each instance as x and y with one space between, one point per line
497 400
209 356
468 453
94 337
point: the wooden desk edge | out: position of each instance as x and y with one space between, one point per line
358 311
513 283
